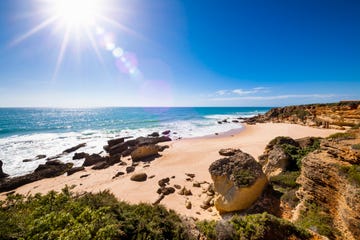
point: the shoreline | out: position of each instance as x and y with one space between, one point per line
190 155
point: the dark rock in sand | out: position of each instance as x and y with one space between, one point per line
167 132
130 169
80 155
118 148
2 174
74 170
128 151
49 169
100 165
154 134
139 177
115 141
191 175
93 159
85 175
118 174
162 148
166 190
163 182
161 197
144 151
73 149
114 159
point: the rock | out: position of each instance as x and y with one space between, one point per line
166 190
163 182
177 186
40 156
188 204
118 174
118 148
100 165
185 191
130 169
74 170
228 152
139 177
191 175
166 132
154 134
115 141
80 155
84 176
238 182
27 160
73 149
2 174
93 159
144 151
114 159
162 148
235 121
196 184
49 169
152 176
161 197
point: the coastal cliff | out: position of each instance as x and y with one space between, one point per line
332 115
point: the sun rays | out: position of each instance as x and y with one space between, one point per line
80 18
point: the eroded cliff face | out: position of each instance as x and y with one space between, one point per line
330 188
334 115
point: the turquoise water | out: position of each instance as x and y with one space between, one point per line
27 132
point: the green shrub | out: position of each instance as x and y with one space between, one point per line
356 146
342 136
286 180
208 228
356 126
297 153
244 177
90 216
352 173
266 226
316 219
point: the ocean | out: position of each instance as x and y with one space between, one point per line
28 132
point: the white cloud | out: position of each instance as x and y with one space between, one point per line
242 92
275 97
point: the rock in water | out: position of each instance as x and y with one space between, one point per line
238 182
139 177
2 174
144 152
74 148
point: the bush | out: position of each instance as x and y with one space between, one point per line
356 146
352 173
266 226
244 177
316 219
286 179
91 216
208 228
342 136
297 153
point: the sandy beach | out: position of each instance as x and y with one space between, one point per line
182 156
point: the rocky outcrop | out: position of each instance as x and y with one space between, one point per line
238 182
74 170
332 115
80 156
93 159
2 174
330 190
49 169
73 149
144 151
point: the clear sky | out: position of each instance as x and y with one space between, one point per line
178 52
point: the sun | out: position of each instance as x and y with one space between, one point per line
76 13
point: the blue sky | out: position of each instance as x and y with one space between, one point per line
182 53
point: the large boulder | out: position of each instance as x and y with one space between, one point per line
93 159
139 177
49 169
238 182
275 159
2 174
144 151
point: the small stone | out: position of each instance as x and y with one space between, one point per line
172 177
161 197
209 209
163 182
85 175
190 175
118 174
130 169
139 177
196 184
177 186
198 213
152 176
188 204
